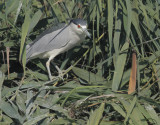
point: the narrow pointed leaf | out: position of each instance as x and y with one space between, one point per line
119 68
96 116
36 119
88 76
152 113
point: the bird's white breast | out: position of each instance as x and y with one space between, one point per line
53 53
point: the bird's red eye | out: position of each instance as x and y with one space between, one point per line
78 26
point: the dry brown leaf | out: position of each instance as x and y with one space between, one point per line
132 81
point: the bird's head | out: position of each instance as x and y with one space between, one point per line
80 27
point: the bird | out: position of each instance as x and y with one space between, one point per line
56 40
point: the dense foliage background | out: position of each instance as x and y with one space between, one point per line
95 91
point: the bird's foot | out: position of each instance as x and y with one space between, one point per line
53 78
62 73
60 76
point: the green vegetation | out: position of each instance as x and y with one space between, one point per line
95 91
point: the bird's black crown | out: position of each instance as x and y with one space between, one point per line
79 21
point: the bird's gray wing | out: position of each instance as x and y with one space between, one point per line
48 40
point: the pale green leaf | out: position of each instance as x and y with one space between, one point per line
1 83
96 116
152 113
110 23
35 19
88 76
119 67
36 119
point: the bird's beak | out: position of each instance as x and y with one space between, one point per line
86 32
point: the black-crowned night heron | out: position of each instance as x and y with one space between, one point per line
57 40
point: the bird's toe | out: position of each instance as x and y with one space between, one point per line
62 74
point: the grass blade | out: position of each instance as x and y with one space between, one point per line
25 28
35 20
152 113
96 116
36 119
130 109
129 15
88 76
119 68
1 83
110 23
